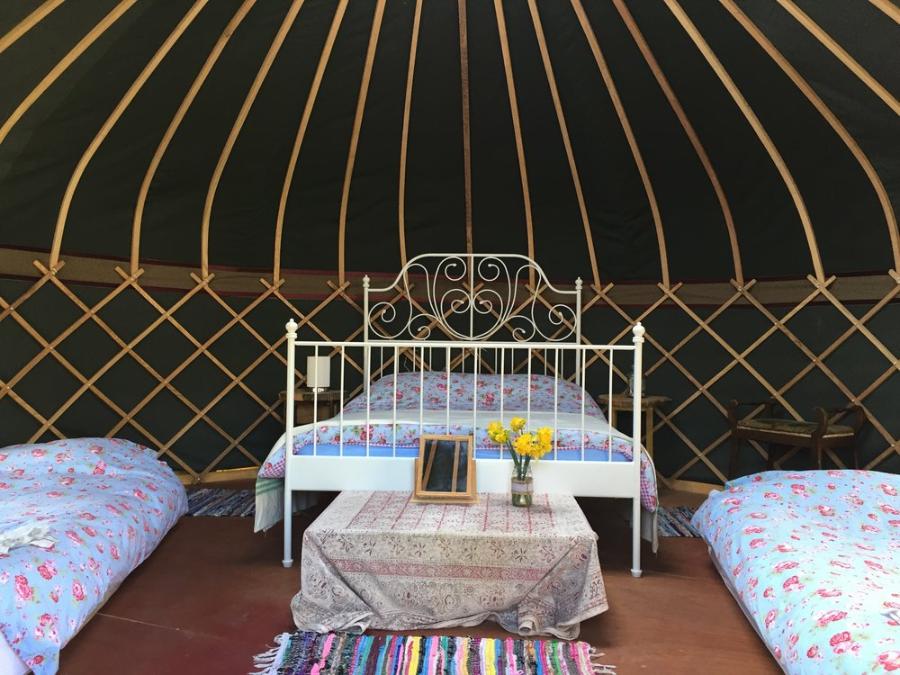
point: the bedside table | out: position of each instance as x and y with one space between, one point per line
329 405
624 403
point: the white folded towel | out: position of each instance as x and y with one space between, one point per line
29 534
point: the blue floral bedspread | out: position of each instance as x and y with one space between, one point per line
814 560
107 503
392 426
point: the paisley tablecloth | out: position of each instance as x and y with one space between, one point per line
379 560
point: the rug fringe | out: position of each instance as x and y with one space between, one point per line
600 668
267 662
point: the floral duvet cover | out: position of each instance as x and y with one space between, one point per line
107 503
813 558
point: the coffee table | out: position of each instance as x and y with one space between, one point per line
379 560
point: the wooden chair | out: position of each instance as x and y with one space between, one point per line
818 436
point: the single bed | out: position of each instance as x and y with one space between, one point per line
813 560
458 384
106 505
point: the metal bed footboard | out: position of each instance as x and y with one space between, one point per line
361 363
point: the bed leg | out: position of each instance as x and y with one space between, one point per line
636 537
288 512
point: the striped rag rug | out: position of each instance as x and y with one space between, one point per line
220 502
675 521
307 653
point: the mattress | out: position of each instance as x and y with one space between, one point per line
10 663
108 503
813 560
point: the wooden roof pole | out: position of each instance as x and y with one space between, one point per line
564 131
629 136
71 56
179 116
888 8
301 134
354 138
691 133
829 117
249 99
841 54
517 130
757 126
466 119
110 122
28 23
404 137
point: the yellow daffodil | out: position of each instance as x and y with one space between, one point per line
517 423
497 433
523 444
545 439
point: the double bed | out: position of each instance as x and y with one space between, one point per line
813 560
95 508
510 345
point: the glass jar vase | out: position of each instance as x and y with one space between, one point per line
522 488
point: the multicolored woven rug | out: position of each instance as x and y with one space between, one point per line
221 502
675 521
305 653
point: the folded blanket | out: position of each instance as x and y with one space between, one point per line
28 534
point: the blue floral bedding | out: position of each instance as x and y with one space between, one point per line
814 560
107 504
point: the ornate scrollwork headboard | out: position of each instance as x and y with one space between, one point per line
470 297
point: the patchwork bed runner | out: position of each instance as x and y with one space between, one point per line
379 560
305 653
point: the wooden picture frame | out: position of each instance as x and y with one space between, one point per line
445 470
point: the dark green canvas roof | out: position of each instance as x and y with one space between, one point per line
851 227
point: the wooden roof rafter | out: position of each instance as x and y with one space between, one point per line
619 107
829 116
462 19
177 119
888 8
324 57
63 64
404 134
111 121
242 115
689 130
761 133
517 129
842 54
564 132
354 137
29 22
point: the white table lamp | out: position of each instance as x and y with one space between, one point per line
318 372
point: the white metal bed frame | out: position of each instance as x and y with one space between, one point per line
470 298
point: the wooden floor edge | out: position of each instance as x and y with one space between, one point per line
695 487
219 476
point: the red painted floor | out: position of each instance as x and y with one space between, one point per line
214 594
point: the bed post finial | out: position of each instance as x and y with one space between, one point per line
638 332
366 281
291 327
578 284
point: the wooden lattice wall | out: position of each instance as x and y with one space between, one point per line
189 360
195 370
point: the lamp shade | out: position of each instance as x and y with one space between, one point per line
318 372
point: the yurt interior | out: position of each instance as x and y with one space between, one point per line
449 337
